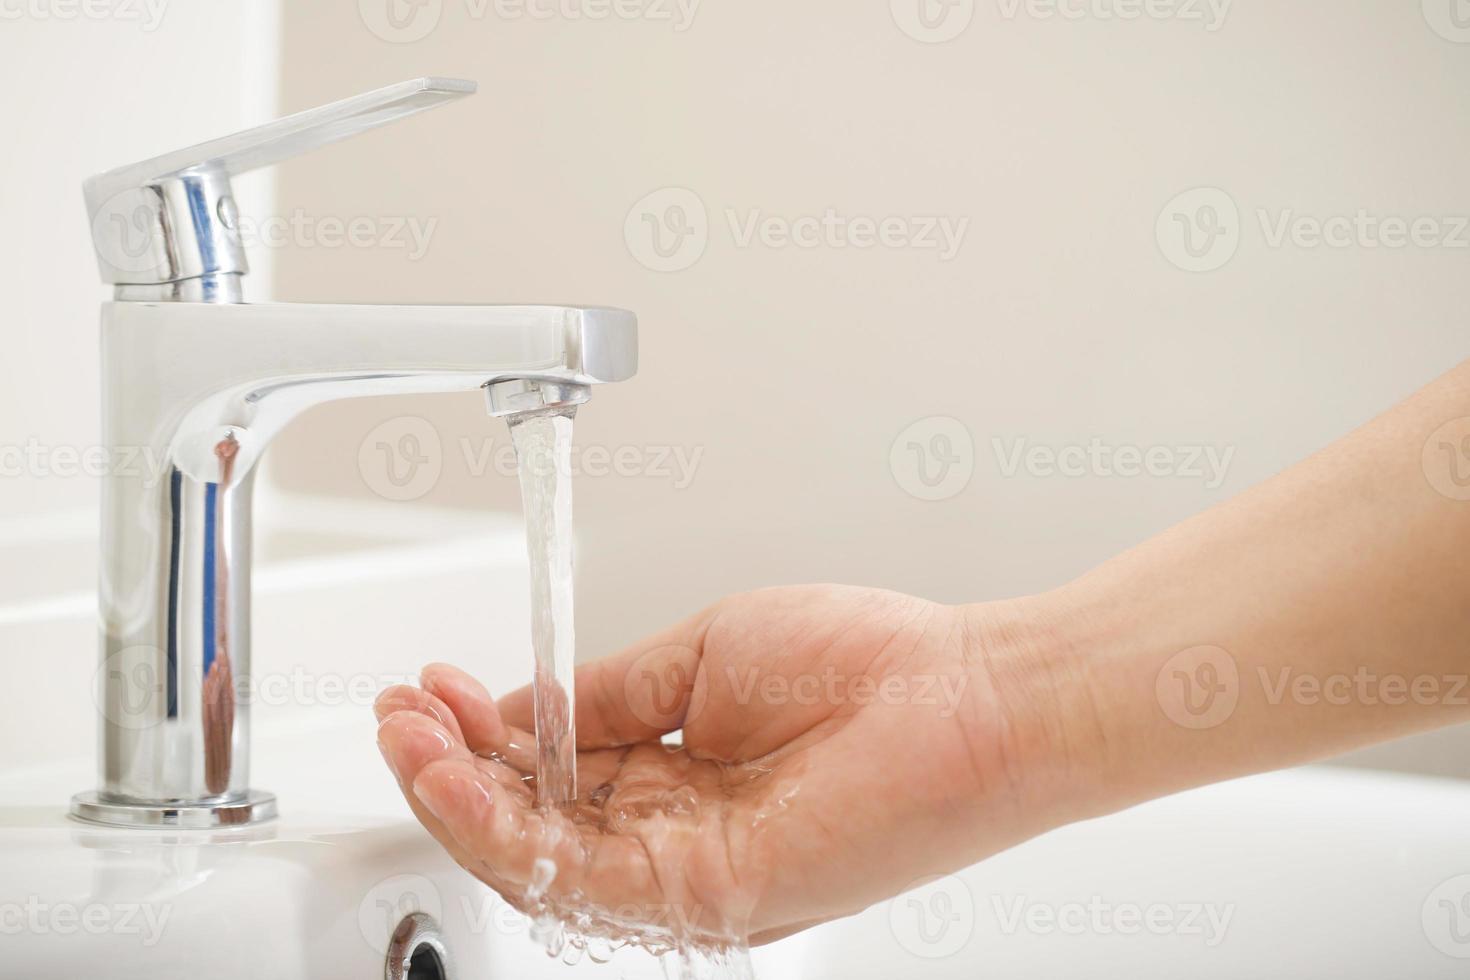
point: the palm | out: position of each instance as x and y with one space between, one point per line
824 738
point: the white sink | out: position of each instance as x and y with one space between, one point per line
1313 873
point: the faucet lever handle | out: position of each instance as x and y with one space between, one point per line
173 217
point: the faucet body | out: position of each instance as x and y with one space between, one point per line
197 384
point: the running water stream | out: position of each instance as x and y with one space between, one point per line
543 444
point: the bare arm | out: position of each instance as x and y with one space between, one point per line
1323 611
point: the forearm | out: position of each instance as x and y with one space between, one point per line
1325 610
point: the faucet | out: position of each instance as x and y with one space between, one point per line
203 381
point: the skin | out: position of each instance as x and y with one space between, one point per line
1320 612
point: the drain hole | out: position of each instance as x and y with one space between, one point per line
425 964
417 951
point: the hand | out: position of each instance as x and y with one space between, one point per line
838 745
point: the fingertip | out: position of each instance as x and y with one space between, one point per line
401 697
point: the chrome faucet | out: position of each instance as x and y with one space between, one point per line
204 381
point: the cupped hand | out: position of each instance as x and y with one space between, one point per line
838 746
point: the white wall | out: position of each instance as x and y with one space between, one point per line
87 88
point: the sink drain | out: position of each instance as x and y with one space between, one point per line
417 951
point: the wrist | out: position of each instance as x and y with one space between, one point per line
1050 722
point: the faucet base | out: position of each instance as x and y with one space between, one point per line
256 807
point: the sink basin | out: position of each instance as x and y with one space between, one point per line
1319 872
1313 873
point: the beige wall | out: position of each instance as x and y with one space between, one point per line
1064 316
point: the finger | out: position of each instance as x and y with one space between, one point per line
401 697
406 749
473 707
636 695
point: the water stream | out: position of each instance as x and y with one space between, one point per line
543 444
